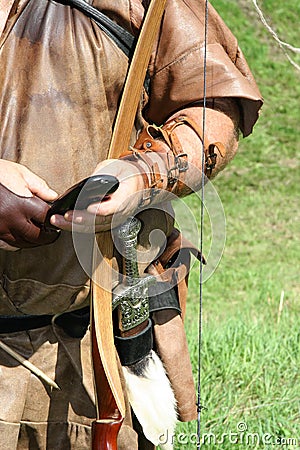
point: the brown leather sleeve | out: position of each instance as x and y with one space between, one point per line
177 65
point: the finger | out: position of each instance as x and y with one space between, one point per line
60 222
70 225
38 186
80 217
120 200
26 235
92 222
82 223
7 247
108 207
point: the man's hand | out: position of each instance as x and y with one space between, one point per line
23 207
117 207
22 181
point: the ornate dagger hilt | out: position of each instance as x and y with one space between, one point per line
132 295
128 233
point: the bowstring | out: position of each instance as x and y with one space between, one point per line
199 401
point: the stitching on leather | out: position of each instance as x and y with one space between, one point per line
179 59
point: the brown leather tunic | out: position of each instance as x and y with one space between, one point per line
60 82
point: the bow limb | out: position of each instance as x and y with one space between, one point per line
135 78
110 399
109 395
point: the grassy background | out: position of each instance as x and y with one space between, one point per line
251 336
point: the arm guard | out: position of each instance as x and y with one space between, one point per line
165 143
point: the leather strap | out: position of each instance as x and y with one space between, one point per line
6 6
167 131
124 40
133 349
121 37
175 159
13 324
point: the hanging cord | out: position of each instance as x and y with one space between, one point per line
199 403
283 45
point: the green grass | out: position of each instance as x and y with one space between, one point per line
250 329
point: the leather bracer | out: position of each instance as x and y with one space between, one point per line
154 138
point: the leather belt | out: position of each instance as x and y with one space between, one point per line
13 324
74 323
